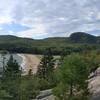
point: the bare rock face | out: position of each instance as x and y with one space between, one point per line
45 95
95 86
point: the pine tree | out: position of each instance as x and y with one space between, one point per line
11 78
46 66
12 68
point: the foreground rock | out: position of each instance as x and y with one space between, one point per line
95 86
45 95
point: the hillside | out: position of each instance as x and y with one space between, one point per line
18 44
78 37
81 37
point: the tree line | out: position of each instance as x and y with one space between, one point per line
56 50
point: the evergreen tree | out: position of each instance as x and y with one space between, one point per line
11 78
46 66
30 72
17 87
12 68
72 79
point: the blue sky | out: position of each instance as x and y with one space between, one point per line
49 18
10 28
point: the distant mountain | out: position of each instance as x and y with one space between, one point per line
28 42
7 37
18 44
81 37
77 37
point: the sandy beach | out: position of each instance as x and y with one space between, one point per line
29 62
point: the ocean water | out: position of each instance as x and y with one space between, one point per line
18 58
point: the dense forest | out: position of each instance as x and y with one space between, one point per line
78 41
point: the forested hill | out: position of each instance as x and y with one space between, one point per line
18 44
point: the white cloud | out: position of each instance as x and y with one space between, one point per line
51 17
5 20
37 30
